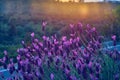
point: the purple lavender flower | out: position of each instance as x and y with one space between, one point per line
80 50
52 76
5 52
80 26
113 37
114 40
44 25
64 38
71 26
117 77
32 34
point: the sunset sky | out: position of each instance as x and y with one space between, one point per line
85 0
99 0
92 0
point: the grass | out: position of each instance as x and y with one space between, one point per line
109 68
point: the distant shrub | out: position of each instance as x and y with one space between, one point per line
117 12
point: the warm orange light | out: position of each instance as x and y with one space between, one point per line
83 11
68 0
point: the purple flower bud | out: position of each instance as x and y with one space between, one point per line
37 73
52 76
114 40
90 64
92 77
44 38
44 25
18 57
49 54
39 62
73 78
36 46
21 50
18 50
64 38
4 59
66 43
41 44
113 37
60 47
31 76
93 29
88 26
75 53
5 52
27 61
11 60
77 65
72 35
67 71
32 34
80 24
117 77
63 65
71 25
23 42
22 63
114 56
36 40
11 68
78 39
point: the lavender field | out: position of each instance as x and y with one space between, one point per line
45 40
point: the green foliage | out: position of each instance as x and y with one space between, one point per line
59 75
11 48
117 12
109 68
11 35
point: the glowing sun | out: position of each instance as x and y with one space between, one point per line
68 0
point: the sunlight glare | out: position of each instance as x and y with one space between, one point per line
68 1
84 11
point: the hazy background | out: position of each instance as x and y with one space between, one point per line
19 18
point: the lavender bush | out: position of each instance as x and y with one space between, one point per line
78 56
